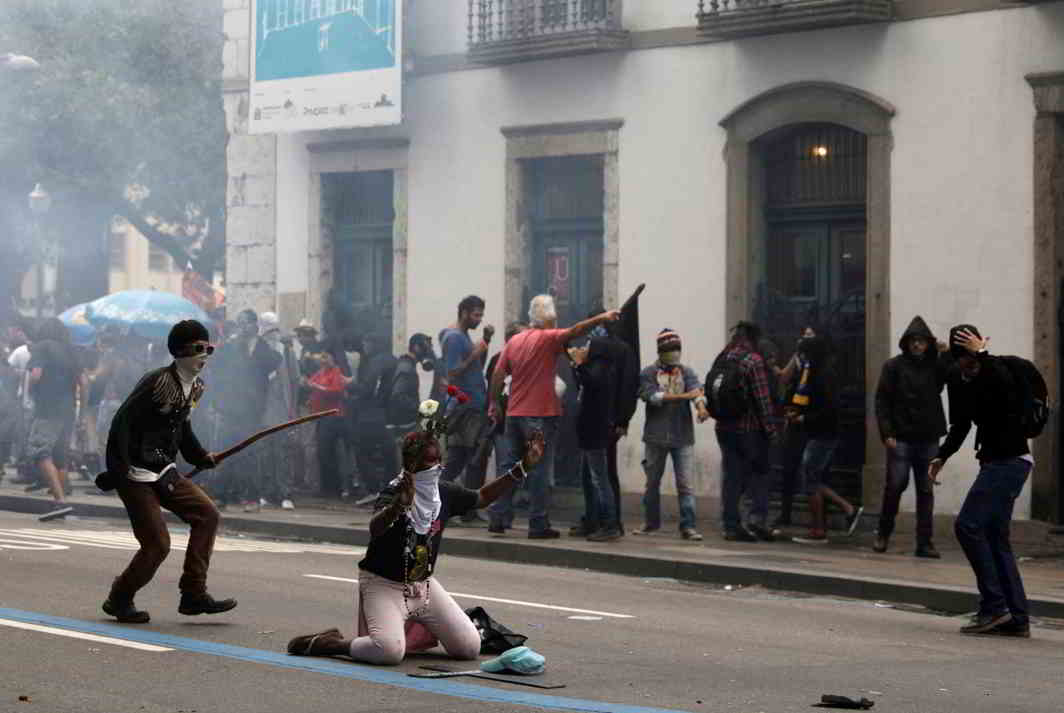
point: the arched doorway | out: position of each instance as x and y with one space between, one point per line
775 141
808 263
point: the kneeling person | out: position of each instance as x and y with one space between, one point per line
396 585
147 432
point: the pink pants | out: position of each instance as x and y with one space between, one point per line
383 621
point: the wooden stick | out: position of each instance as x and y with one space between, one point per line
219 457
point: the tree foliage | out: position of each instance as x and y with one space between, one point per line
124 117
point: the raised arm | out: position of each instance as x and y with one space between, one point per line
581 328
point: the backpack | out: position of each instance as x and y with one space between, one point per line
726 397
1030 394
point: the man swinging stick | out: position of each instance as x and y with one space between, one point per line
148 430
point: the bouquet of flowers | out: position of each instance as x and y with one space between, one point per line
434 419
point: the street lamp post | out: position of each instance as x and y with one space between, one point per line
40 202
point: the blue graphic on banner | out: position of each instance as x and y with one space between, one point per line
306 38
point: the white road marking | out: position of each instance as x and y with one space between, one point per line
516 602
124 540
23 545
581 617
80 635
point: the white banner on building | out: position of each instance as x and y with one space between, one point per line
325 64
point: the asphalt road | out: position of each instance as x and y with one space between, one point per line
619 644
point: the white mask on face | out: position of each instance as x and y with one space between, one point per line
427 503
190 366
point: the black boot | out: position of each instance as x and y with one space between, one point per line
124 611
193 604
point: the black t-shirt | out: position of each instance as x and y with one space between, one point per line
53 395
387 555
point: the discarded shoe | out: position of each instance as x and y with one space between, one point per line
310 645
832 701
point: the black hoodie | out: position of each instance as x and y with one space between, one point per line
909 396
821 415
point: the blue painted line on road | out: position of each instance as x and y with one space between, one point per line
332 667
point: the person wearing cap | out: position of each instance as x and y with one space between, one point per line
150 428
981 391
668 387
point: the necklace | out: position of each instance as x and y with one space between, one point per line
410 588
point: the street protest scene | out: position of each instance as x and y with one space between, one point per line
531 355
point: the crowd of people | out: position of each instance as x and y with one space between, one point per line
768 418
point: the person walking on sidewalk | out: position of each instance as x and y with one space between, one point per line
149 430
983 390
911 421
668 387
745 434
54 376
530 359
813 405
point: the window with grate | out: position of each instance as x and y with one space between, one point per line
816 165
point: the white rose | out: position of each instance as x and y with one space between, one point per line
428 408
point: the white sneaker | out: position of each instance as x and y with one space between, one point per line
287 504
263 502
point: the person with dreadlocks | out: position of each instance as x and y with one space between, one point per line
151 426
401 605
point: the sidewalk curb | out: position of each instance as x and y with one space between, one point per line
938 597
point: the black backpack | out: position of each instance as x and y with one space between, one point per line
726 397
1031 397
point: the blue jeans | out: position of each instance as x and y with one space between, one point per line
745 467
908 456
518 429
654 466
982 528
600 501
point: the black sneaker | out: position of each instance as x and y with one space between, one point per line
761 532
125 612
1012 629
606 534
881 544
982 623
739 535
928 552
495 528
58 512
547 534
193 604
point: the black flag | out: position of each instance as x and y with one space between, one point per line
628 332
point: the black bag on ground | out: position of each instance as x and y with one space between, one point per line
726 398
1030 393
494 637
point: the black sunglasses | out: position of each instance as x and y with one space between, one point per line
193 349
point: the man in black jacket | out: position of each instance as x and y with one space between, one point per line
981 391
595 426
911 420
405 392
151 426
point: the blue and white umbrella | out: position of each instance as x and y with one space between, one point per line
81 331
147 313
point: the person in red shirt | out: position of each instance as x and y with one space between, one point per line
327 391
530 360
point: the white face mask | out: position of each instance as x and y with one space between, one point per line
191 365
427 503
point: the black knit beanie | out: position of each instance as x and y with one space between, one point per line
956 350
185 333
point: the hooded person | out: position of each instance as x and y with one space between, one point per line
911 422
150 428
401 605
